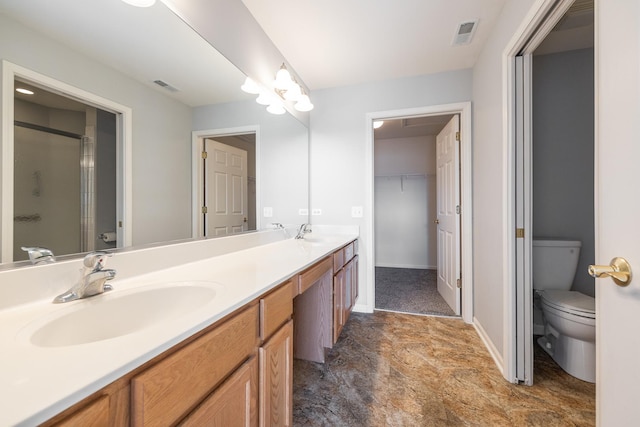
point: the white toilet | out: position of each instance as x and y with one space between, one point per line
568 317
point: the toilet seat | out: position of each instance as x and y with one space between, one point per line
572 302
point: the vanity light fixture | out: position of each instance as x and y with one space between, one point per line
265 98
250 86
283 79
285 88
304 103
24 91
377 124
276 108
140 3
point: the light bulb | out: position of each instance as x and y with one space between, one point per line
294 93
265 98
283 79
276 108
250 86
304 104
378 124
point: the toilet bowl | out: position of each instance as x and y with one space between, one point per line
568 317
570 332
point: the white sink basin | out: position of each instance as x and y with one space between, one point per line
112 315
320 239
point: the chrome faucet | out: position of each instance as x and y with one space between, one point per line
39 255
92 280
304 228
279 226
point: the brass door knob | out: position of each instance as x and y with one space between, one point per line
619 271
437 221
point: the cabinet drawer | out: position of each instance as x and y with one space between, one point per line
94 414
234 403
348 252
166 392
275 309
313 274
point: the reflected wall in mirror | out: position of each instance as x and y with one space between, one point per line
174 83
64 189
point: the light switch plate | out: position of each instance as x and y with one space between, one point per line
303 212
267 212
356 212
316 212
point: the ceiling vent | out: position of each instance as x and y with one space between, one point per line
465 33
165 85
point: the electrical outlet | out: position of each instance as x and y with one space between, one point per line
303 212
356 212
267 212
316 211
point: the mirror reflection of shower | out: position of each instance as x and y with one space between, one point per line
64 174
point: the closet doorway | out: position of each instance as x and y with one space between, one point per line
417 222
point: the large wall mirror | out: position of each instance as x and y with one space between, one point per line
107 152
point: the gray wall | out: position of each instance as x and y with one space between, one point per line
489 177
339 144
161 129
563 153
405 207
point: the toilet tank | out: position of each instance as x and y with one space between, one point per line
554 263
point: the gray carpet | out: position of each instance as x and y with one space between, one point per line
409 290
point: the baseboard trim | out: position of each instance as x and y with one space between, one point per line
363 308
493 351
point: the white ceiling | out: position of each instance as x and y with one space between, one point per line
331 43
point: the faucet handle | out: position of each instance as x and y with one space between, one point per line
96 260
39 255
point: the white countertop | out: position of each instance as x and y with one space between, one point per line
36 383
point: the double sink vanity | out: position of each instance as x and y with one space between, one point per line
196 333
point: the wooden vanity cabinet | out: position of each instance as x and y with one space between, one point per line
167 392
345 286
233 404
239 371
276 357
106 408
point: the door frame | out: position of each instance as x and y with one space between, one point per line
197 193
466 192
124 152
517 351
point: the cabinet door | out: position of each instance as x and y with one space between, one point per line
276 379
354 281
94 414
338 304
107 407
233 404
348 289
164 393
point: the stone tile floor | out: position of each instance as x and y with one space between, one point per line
391 369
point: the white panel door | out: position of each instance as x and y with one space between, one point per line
618 210
448 217
225 189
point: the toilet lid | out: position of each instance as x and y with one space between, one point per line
571 302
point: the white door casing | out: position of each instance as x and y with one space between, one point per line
448 217
617 206
225 189
124 153
366 301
